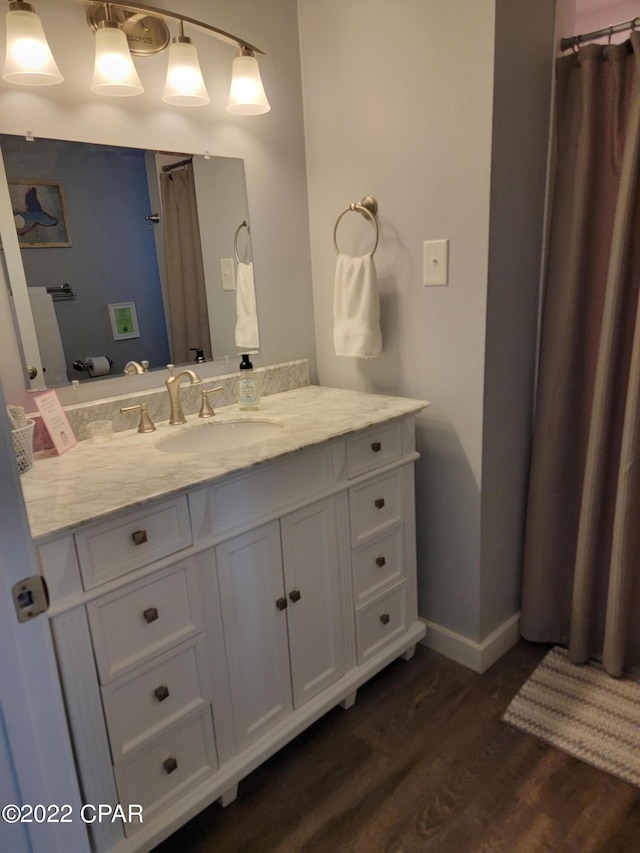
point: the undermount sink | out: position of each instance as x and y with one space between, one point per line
223 435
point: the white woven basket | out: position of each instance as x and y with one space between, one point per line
23 446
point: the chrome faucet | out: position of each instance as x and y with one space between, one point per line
176 415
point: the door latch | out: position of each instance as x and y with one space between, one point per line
30 597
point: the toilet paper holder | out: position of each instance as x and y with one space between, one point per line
81 366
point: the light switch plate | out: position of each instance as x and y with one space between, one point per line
228 274
435 263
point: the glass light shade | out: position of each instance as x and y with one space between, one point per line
114 72
29 60
247 96
184 86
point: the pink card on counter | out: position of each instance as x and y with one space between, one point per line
55 420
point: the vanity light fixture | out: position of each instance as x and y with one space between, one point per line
114 72
184 85
247 96
29 60
122 29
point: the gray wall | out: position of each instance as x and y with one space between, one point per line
521 115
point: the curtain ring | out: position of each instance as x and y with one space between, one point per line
610 36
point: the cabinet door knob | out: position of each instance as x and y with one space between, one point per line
139 537
170 764
380 562
385 618
295 595
376 446
379 503
150 614
161 693
281 604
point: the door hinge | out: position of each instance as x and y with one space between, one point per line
30 597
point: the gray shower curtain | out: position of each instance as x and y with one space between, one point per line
185 272
582 547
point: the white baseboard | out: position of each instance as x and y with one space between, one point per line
477 656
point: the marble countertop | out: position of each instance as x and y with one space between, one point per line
91 481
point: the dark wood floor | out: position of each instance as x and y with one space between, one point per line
423 763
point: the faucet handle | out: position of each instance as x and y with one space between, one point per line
205 409
146 424
171 368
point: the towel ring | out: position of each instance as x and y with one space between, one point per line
368 207
242 225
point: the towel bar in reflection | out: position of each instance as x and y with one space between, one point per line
61 291
243 224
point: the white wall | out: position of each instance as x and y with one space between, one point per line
272 145
591 15
398 102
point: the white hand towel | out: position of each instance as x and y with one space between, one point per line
246 312
356 308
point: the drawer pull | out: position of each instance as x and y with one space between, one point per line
385 618
380 562
139 537
376 446
379 503
295 595
150 614
170 764
281 604
161 693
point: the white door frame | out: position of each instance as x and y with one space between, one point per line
38 746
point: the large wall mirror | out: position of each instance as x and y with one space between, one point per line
128 255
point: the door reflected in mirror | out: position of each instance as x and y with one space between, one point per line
155 246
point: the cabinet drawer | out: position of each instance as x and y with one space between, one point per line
375 506
112 549
168 768
378 565
373 449
380 622
140 621
153 698
241 502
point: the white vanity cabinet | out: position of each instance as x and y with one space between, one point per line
197 634
283 614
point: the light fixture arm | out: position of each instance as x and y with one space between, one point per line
167 14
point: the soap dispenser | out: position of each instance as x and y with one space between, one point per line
248 393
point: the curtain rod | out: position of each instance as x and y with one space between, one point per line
576 41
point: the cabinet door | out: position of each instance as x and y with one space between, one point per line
255 630
312 570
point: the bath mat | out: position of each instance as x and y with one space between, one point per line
583 711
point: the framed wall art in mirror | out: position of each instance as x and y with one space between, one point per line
39 213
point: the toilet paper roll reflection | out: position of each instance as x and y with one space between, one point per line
98 365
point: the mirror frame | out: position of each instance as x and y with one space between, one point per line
17 283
